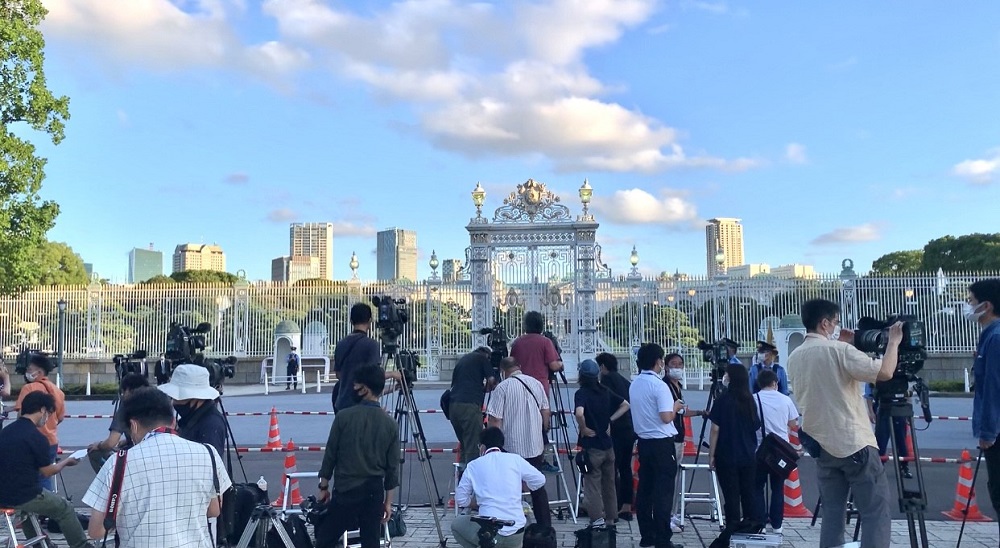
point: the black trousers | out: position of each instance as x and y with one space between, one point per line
657 473
992 456
540 497
292 372
623 444
737 485
359 509
771 510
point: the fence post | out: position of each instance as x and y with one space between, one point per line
319 381
88 382
301 376
967 380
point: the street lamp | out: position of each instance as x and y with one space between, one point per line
479 198
354 266
61 336
586 193
634 261
433 263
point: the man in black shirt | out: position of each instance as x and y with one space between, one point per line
472 377
200 419
24 453
622 435
100 451
595 407
362 457
352 352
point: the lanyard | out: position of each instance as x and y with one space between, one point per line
492 450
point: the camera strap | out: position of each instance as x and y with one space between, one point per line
525 385
114 498
215 488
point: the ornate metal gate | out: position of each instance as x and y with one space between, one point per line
534 255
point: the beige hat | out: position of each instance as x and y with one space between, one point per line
189 381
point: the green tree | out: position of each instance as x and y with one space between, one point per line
204 277
159 280
972 252
25 103
898 262
56 264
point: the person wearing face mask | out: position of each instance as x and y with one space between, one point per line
199 418
169 488
673 377
362 458
767 360
24 454
118 434
37 380
983 307
835 429
653 412
732 347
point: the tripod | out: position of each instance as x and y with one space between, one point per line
558 422
408 420
912 502
263 518
713 393
231 443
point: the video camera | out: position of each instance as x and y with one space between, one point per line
129 363
24 358
716 353
497 340
390 318
187 345
873 336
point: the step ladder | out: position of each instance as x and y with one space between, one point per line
713 499
41 539
559 433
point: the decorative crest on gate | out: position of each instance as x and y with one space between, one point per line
531 202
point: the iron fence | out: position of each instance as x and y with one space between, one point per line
105 320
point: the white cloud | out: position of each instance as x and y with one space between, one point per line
164 35
980 171
718 8
282 215
868 232
346 228
795 153
636 206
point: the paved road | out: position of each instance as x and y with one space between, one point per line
940 439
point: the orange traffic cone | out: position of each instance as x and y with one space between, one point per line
635 478
689 448
909 442
964 495
793 439
295 497
273 434
794 508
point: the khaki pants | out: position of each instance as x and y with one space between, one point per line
599 486
56 508
466 533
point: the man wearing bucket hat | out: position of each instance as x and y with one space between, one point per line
195 402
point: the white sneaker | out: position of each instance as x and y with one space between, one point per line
676 524
776 530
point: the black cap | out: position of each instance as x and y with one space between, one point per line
765 346
730 343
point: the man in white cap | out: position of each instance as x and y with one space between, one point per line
195 402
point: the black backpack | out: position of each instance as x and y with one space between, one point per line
601 537
238 504
538 536
296 529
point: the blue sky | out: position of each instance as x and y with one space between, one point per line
834 130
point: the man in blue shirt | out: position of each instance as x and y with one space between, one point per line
731 348
983 307
767 359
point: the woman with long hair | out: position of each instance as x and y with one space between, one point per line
733 446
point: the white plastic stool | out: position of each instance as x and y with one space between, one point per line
712 498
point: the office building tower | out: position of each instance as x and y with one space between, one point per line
749 270
451 270
794 271
313 240
199 257
396 255
292 269
725 235
144 264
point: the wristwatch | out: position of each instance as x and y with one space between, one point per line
322 487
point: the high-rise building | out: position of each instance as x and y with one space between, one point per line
89 269
144 264
313 240
725 235
451 270
794 271
293 269
396 254
199 257
749 270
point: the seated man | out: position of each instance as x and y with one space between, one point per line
24 453
494 480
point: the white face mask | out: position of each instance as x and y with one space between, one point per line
676 374
970 313
760 357
30 377
725 381
835 336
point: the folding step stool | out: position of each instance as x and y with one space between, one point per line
41 540
712 498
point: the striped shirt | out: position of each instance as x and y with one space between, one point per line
518 402
165 494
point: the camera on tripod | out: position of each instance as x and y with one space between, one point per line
497 340
873 336
24 358
390 317
126 364
717 354
187 345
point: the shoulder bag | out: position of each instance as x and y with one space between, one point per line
775 455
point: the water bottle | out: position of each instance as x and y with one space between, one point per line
262 484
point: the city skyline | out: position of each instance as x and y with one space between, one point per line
312 240
828 136
396 254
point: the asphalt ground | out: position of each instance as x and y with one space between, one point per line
941 438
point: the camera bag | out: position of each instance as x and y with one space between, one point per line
591 537
539 536
238 504
296 529
775 455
